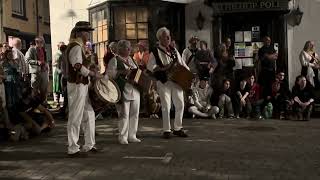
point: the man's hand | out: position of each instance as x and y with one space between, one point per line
243 101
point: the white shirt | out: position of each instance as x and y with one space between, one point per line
305 59
19 57
165 59
201 97
75 56
186 54
129 92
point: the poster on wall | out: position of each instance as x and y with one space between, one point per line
247 62
238 36
239 49
256 46
255 33
247 36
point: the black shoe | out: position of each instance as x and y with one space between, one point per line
180 133
78 155
94 150
166 135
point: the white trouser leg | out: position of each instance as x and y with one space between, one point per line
165 98
134 117
76 103
178 101
89 124
124 120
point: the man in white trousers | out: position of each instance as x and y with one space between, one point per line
160 60
80 109
118 68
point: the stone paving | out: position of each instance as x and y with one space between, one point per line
216 149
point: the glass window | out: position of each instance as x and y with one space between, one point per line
131 23
18 7
99 22
46 11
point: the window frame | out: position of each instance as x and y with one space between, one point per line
125 24
23 14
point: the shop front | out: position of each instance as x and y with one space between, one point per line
246 23
134 21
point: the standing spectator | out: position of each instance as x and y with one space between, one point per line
19 57
303 98
57 89
142 55
11 83
309 60
188 54
110 53
226 62
38 67
205 60
3 104
268 56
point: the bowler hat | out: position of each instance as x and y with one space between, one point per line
83 26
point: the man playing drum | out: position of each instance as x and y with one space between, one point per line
160 59
80 109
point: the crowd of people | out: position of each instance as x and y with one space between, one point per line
217 90
23 91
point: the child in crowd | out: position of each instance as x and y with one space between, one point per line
241 98
255 97
224 100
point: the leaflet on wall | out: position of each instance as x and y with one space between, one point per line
247 62
239 49
238 64
238 36
247 36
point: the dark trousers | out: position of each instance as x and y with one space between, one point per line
303 113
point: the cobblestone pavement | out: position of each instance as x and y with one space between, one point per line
216 149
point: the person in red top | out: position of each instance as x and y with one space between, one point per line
142 55
255 100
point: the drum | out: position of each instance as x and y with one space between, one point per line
180 75
103 93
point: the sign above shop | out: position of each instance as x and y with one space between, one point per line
248 6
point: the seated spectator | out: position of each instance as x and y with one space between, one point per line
200 102
255 97
154 105
12 82
224 100
241 98
281 100
30 113
303 98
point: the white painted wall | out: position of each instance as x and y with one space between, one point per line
191 13
61 24
309 29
